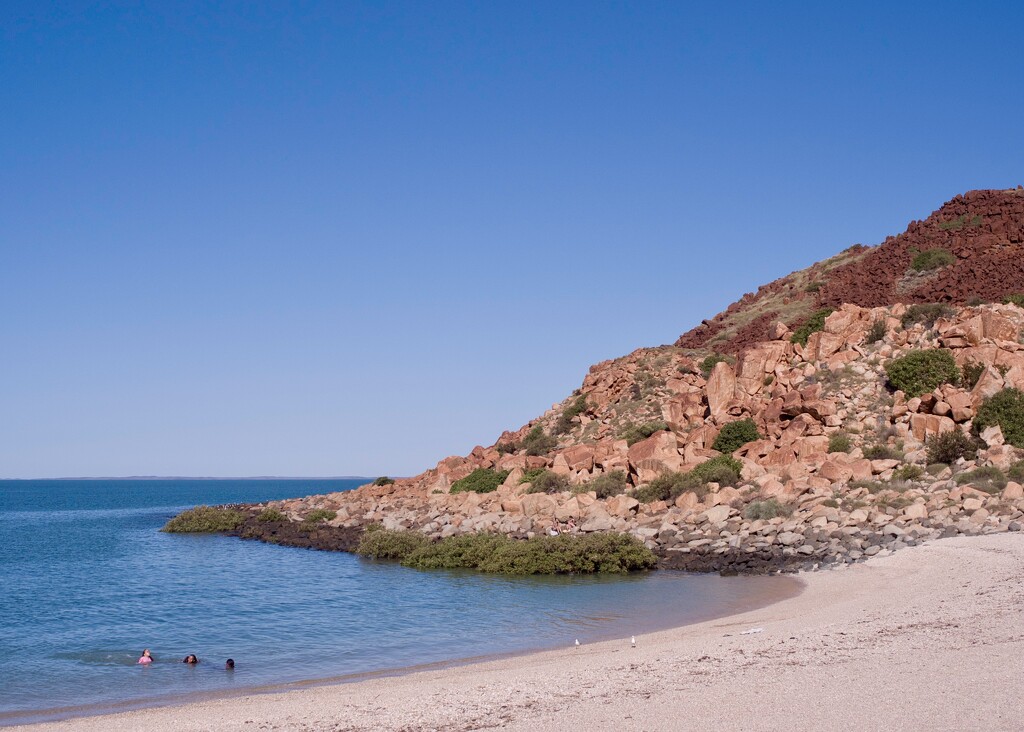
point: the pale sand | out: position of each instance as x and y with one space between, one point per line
930 638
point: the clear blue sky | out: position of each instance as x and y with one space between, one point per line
323 238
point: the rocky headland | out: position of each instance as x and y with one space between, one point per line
868 403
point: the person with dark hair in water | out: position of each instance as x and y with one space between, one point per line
190 659
146 658
230 664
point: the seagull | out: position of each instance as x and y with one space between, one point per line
577 642
632 641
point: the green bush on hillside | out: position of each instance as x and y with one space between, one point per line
268 515
548 482
709 363
384 480
920 372
972 372
926 314
735 435
988 478
538 442
948 447
723 470
1015 299
814 324
481 480
320 514
876 332
634 433
578 407
607 485
765 510
839 442
205 520
931 259
882 452
1005 409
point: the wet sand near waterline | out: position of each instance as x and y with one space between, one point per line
930 638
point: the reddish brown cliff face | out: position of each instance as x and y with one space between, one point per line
983 230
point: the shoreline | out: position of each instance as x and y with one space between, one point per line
781 587
889 645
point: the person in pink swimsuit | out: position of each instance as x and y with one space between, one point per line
146 658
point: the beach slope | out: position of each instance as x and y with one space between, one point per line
929 638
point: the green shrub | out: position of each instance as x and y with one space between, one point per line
532 474
564 554
320 514
876 332
1006 409
548 482
607 485
384 480
723 470
972 372
506 448
960 222
709 363
633 433
381 543
578 407
1017 299
931 259
814 324
764 510
830 502
481 480
1016 472
926 313
839 442
908 472
920 372
205 520
538 442
948 447
735 435
813 287
989 479
268 515
882 452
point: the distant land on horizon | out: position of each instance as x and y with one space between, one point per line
207 477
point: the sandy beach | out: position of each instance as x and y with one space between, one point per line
929 638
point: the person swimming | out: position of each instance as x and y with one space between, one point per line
146 658
230 664
190 659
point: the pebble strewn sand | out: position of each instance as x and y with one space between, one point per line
929 638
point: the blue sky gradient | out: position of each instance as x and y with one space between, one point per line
326 238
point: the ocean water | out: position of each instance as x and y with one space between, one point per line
87 581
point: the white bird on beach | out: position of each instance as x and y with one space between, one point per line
632 641
577 642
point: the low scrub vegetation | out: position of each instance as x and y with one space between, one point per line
634 433
1016 472
205 520
1005 410
607 485
920 372
960 222
384 480
764 510
548 482
320 514
989 479
908 472
971 374
926 314
709 363
269 515
538 442
564 423
814 324
882 452
876 332
948 447
839 442
1015 299
735 435
481 480
723 470
931 259
564 554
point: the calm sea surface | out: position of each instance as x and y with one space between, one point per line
87 581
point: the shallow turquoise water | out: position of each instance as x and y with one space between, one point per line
88 581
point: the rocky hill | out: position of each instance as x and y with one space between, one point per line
876 426
976 241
